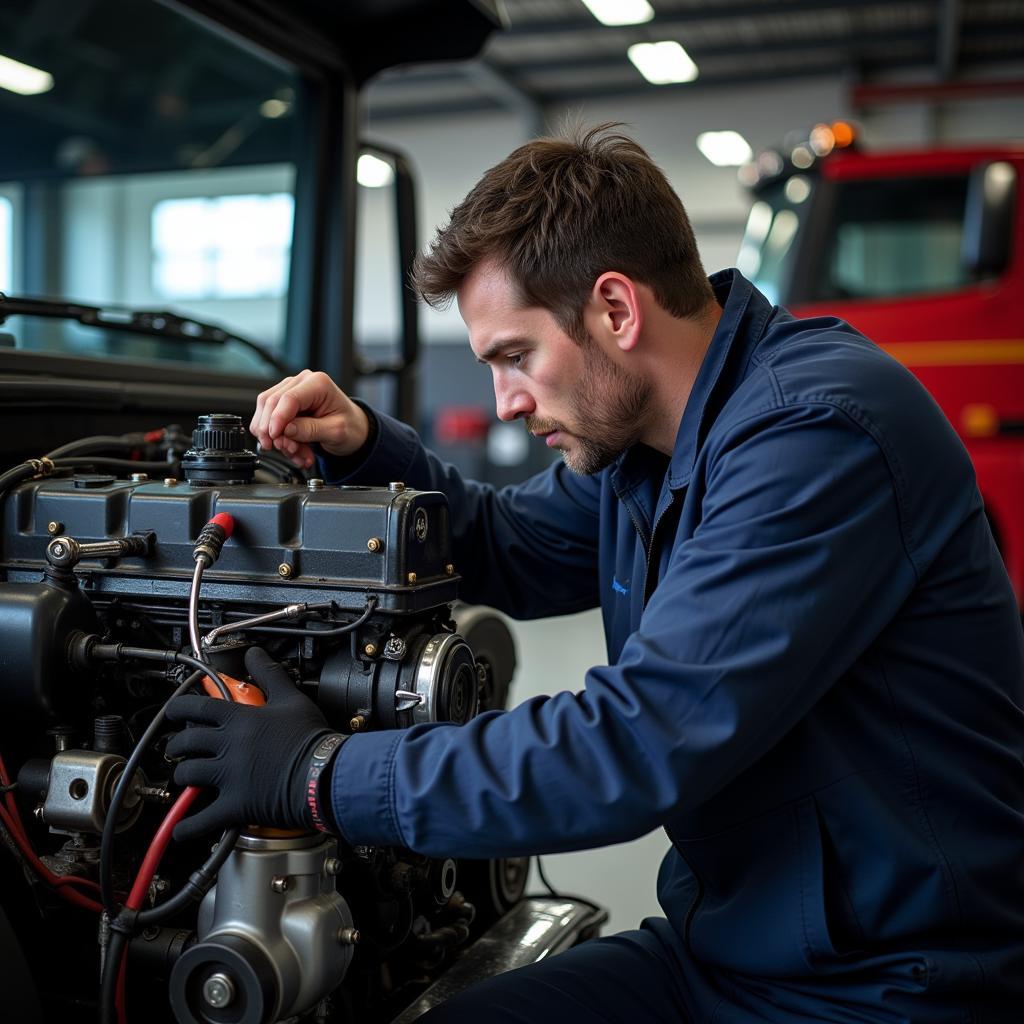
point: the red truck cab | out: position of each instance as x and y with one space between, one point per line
923 251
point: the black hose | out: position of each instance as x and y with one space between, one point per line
196 887
108 980
99 443
106 865
100 462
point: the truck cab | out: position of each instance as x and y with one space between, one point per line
922 251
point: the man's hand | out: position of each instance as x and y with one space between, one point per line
306 408
257 758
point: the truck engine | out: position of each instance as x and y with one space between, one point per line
140 566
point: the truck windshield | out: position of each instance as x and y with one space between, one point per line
890 237
768 250
154 169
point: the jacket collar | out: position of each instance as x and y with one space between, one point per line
745 313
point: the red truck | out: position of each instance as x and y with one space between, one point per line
923 251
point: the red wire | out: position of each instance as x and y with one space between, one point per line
157 848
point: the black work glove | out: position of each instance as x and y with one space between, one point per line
257 758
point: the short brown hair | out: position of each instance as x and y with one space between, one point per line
559 212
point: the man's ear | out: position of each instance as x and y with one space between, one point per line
613 313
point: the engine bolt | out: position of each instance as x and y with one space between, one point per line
370 650
170 481
284 570
348 936
357 722
58 550
315 484
396 485
332 866
139 478
374 544
411 577
54 527
218 990
280 883
449 569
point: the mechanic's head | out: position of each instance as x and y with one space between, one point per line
573 261
556 214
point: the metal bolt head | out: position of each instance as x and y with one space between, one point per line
315 484
218 990
370 650
356 722
170 481
332 866
139 478
284 570
348 936
58 550
374 544
411 577
280 883
449 569
54 527
396 485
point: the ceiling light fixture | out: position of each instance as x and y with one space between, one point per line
662 63
620 12
725 149
372 172
23 79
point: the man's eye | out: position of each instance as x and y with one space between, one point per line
516 359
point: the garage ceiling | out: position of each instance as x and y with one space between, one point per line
554 51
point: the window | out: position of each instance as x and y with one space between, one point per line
6 244
895 237
155 177
230 247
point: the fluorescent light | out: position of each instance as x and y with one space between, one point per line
620 12
724 149
23 79
663 63
274 108
372 172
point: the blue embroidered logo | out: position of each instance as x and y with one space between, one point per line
618 587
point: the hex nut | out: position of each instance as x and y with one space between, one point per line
284 570
374 544
54 527
280 883
411 577
170 481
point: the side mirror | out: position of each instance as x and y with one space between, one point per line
988 218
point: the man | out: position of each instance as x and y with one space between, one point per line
815 658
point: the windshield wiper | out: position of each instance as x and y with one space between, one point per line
130 321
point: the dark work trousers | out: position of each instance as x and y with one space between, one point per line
627 978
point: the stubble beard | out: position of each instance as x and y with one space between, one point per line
609 409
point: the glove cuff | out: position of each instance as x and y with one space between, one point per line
322 758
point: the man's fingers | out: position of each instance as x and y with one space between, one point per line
200 739
198 825
198 771
192 708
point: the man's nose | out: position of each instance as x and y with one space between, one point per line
512 402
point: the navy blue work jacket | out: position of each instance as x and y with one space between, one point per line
815 684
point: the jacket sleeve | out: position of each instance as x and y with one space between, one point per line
797 565
529 550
